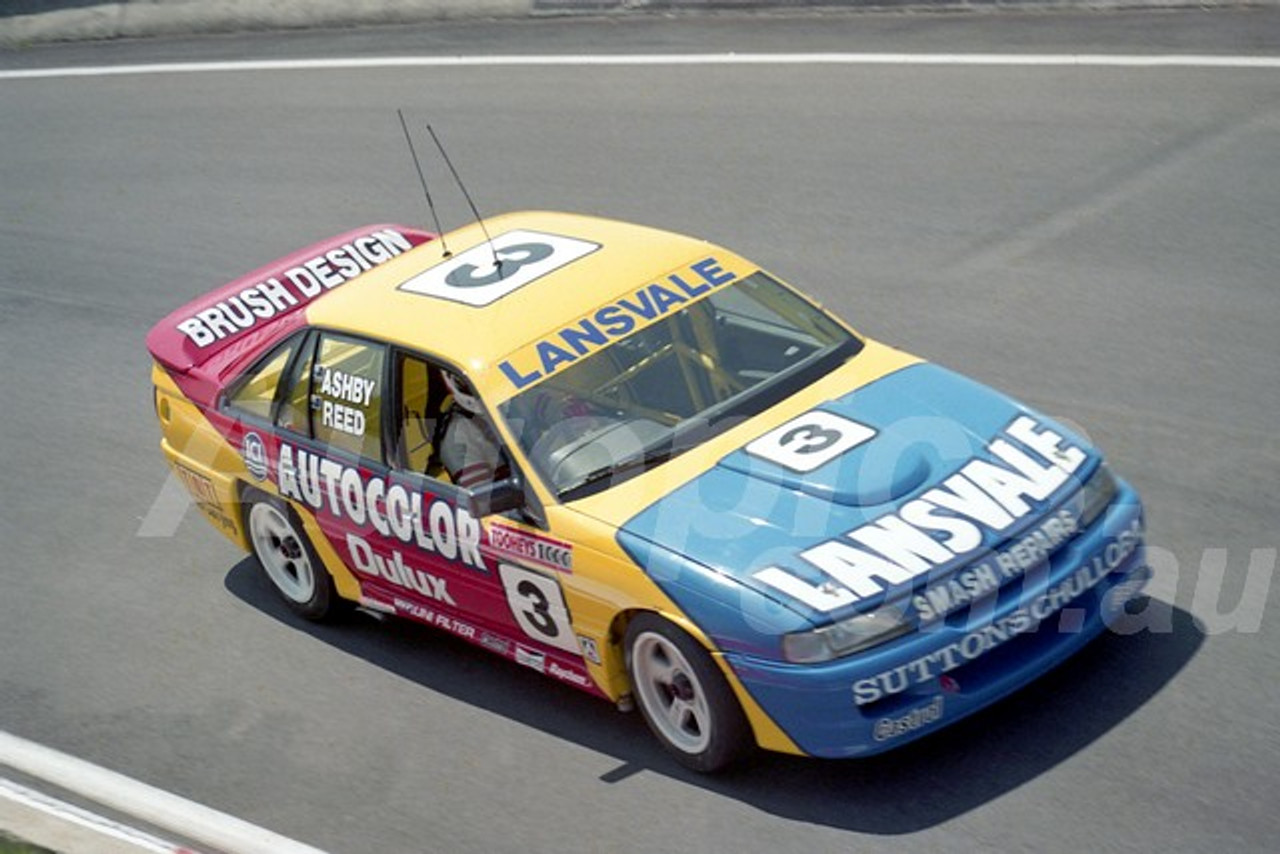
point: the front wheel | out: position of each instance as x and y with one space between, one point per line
287 560
684 697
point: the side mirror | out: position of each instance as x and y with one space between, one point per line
497 497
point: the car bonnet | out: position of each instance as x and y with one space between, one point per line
769 527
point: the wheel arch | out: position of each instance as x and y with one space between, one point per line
764 730
344 580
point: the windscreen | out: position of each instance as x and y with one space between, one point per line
672 384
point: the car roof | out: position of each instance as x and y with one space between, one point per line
401 302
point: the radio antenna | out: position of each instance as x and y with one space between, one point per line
497 264
423 179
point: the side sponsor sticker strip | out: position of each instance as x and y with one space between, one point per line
519 545
546 663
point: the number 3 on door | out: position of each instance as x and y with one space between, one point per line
537 603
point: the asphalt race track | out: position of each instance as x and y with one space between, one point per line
1100 241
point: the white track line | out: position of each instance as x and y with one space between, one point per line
72 814
571 60
147 803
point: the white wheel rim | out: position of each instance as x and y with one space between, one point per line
281 553
671 693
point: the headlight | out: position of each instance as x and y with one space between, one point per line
845 637
1097 494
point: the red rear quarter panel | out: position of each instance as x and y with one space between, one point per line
201 341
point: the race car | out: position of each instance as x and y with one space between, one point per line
642 466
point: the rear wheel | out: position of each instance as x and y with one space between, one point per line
684 697
287 560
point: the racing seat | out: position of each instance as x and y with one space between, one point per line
417 423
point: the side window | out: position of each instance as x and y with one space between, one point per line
418 401
255 392
346 395
438 435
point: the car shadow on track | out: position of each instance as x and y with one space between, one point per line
914 787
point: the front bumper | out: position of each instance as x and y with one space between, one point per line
876 700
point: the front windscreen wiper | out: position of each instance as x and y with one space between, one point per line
595 479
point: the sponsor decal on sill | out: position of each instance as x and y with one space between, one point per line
531 658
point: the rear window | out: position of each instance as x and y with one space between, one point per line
255 392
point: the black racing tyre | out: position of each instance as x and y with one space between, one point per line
287 560
685 699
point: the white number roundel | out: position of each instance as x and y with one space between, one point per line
538 606
809 441
493 269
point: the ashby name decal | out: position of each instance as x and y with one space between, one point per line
293 287
615 320
899 547
348 389
414 519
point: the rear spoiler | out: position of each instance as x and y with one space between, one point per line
206 326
